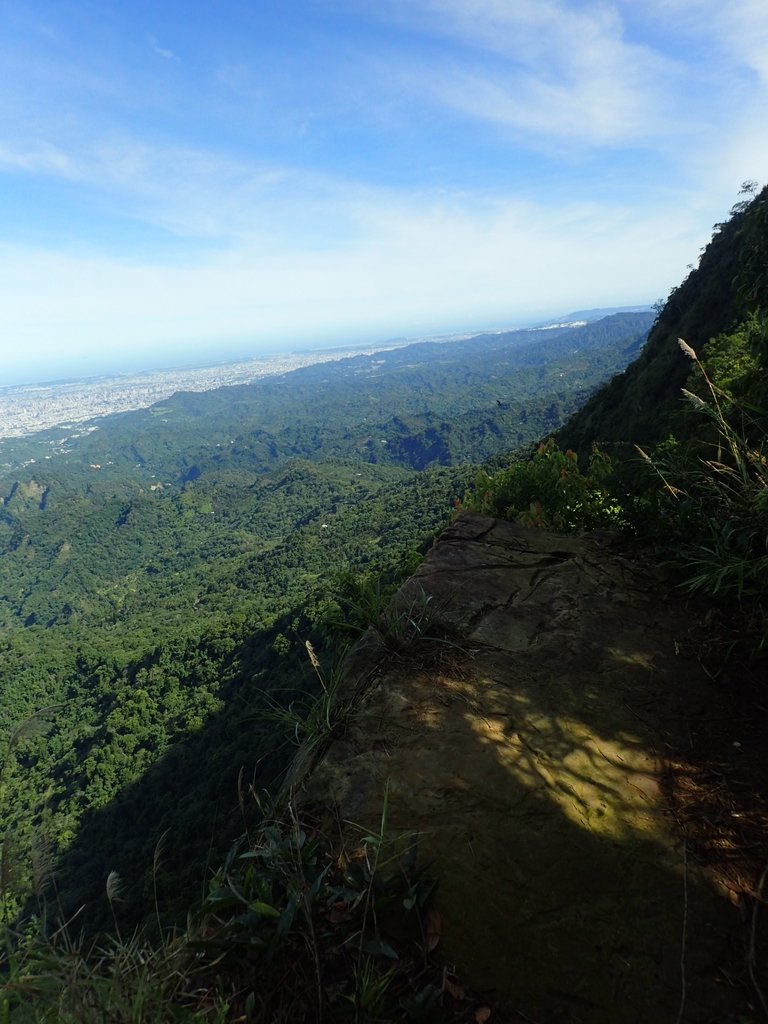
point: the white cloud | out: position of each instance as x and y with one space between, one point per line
749 35
185 190
161 51
39 158
593 111
735 29
414 264
239 78
726 96
266 249
534 32
547 68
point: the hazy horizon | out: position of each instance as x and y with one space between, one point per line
338 171
125 363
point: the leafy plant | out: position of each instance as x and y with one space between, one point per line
295 926
362 598
401 619
370 993
410 617
550 491
343 920
62 980
718 500
306 719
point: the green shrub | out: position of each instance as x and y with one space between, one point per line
715 501
550 491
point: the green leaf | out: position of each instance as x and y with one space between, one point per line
287 917
263 908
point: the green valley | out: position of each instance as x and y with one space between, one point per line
165 576
160 575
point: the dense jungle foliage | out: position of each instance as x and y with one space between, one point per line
726 291
676 446
160 576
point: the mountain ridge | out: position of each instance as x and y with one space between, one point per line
210 675
642 404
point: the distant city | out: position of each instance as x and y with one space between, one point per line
29 408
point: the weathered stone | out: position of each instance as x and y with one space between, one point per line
530 764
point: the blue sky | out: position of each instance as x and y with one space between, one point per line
180 180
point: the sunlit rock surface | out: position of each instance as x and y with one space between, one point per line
529 752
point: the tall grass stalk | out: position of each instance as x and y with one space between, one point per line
720 502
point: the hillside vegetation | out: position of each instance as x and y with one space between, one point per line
156 609
724 296
161 574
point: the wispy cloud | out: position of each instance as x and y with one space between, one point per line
42 158
237 77
593 111
161 51
187 191
641 119
737 28
544 67
413 263
723 48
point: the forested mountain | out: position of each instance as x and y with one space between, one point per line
160 574
644 404
435 403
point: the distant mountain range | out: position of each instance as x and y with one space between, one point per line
599 312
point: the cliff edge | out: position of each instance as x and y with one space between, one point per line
540 752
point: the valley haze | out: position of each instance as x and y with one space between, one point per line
32 407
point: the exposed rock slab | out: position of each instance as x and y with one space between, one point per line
532 763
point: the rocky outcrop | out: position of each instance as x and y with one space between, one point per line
529 754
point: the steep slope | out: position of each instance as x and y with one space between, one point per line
160 573
532 757
580 785
642 404
541 723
